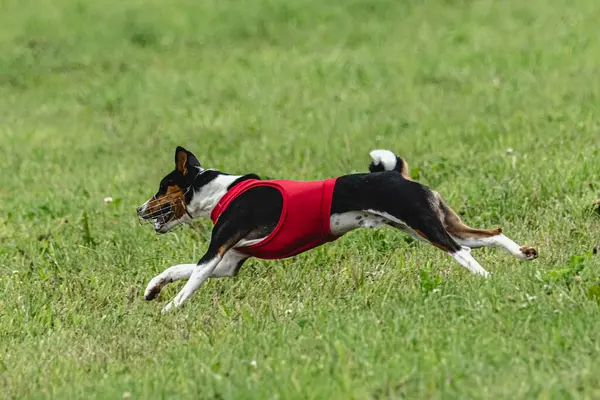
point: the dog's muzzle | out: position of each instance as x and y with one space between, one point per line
158 216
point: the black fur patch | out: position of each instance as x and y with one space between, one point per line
389 192
247 213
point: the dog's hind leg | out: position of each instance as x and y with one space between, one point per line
464 258
430 229
498 241
474 238
435 234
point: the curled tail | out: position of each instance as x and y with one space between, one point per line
385 160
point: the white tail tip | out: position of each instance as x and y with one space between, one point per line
384 157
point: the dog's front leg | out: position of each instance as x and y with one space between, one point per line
225 235
229 266
200 273
172 274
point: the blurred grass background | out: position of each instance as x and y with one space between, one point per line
494 104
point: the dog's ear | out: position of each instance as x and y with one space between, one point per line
184 160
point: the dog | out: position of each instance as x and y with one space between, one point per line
274 219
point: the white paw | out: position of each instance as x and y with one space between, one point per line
154 288
528 253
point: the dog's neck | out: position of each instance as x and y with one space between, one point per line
206 195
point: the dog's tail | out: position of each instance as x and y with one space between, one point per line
385 160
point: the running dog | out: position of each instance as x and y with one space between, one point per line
274 219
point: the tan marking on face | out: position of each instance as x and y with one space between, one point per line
174 196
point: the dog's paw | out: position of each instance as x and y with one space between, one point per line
153 289
167 308
529 253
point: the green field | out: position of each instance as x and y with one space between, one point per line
494 104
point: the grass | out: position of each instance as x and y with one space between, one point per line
94 97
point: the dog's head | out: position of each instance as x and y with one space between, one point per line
168 208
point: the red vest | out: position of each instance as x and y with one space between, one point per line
304 221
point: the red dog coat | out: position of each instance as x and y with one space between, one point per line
304 221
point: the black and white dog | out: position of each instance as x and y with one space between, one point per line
284 218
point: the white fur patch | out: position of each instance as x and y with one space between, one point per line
384 157
206 198
400 225
345 222
228 266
